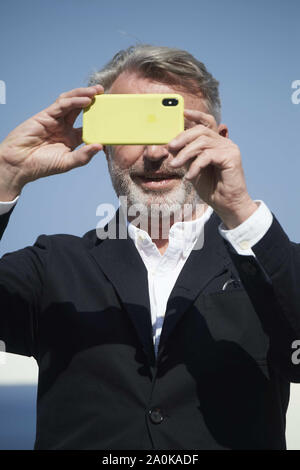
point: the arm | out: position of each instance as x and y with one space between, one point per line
270 271
269 268
21 287
41 146
271 280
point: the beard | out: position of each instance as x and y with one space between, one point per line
178 203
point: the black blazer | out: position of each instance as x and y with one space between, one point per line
80 306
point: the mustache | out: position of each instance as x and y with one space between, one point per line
178 172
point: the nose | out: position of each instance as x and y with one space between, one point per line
155 152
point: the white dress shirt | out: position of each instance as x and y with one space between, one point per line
163 270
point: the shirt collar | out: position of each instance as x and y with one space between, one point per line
187 231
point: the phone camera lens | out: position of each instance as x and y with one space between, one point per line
170 102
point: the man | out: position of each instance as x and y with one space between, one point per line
182 341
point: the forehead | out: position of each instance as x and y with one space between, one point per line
129 82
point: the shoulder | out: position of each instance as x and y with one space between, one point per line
67 241
88 238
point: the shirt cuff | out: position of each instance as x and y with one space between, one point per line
6 206
246 235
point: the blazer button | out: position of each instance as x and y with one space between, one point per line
156 415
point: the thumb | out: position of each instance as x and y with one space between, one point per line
82 156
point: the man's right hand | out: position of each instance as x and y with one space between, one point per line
45 144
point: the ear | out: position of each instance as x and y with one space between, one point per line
223 130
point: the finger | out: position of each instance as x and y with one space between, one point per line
200 117
188 136
71 117
81 156
64 105
201 162
78 135
188 124
83 91
90 91
190 151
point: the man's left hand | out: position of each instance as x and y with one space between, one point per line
215 167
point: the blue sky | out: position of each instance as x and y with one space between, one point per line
250 47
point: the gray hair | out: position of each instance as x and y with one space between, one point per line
164 64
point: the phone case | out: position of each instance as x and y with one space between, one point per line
133 119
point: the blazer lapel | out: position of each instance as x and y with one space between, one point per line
120 261
203 265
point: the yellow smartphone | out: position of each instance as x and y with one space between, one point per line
133 119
